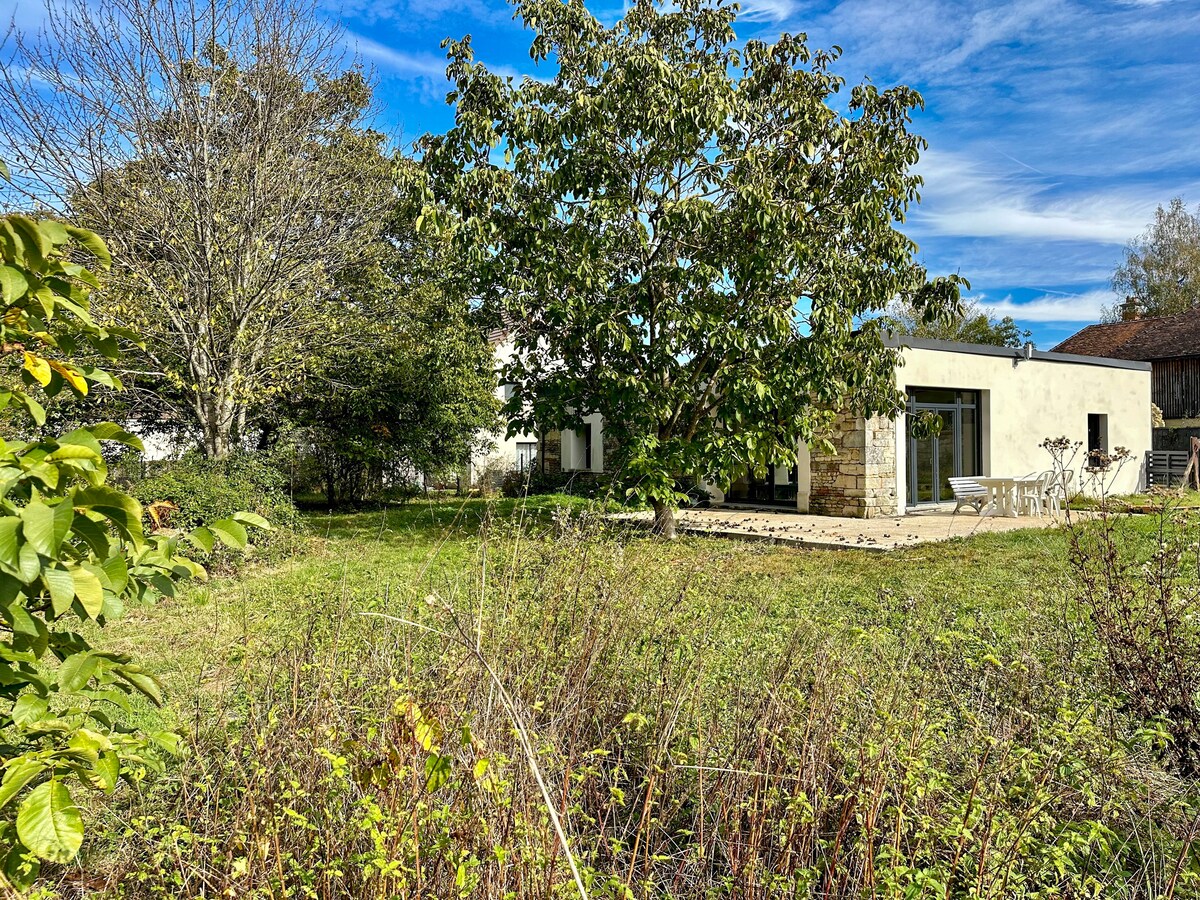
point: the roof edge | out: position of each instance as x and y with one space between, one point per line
919 343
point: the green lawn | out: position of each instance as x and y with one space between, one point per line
388 560
710 718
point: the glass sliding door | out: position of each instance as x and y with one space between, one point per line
778 488
953 452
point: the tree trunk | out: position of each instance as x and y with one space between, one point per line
664 519
216 438
330 490
216 424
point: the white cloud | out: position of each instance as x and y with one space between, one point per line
1085 307
766 10
411 65
999 218
967 198
426 67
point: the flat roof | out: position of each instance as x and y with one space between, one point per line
920 343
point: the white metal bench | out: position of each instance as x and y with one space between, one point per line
968 492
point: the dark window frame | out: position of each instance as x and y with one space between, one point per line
955 409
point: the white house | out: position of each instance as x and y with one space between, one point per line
566 451
996 405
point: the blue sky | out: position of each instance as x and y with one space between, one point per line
1055 127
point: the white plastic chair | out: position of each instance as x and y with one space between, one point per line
1059 491
1033 494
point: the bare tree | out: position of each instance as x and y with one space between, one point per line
219 147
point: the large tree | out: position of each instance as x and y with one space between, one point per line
1161 269
414 392
685 233
974 324
218 147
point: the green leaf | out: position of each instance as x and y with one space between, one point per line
76 671
119 508
117 571
144 682
89 743
29 710
112 431
108 770
20 621
49 823
88 590
36 243
29 564
54 231
39 528
18 772
249 518
168 740
92 243
10 548
81 437
232 534
437 771
94 534
61 587
113 608
202 538
36 411
13 284
74 451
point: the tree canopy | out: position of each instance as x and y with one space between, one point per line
414 391
1161 269
690 236
972 325
220 151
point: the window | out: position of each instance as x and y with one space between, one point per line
526 455
588 428
1097 440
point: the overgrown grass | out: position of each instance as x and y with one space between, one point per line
709 718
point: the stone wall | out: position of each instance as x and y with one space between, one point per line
550 452
859 480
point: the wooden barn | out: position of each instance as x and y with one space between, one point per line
1171 344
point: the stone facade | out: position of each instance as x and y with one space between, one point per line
859 479
550 452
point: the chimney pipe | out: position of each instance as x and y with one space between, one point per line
1131 310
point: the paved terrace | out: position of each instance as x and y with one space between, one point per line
837 533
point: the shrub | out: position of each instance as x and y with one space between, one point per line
1142 600
73 555
596 485
204 490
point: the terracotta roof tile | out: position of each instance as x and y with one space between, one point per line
1161 337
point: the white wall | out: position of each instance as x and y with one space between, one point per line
502 455
574 449
1034 399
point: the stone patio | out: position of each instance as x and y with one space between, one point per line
842 533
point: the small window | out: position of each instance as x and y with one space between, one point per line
1097 440
526 455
